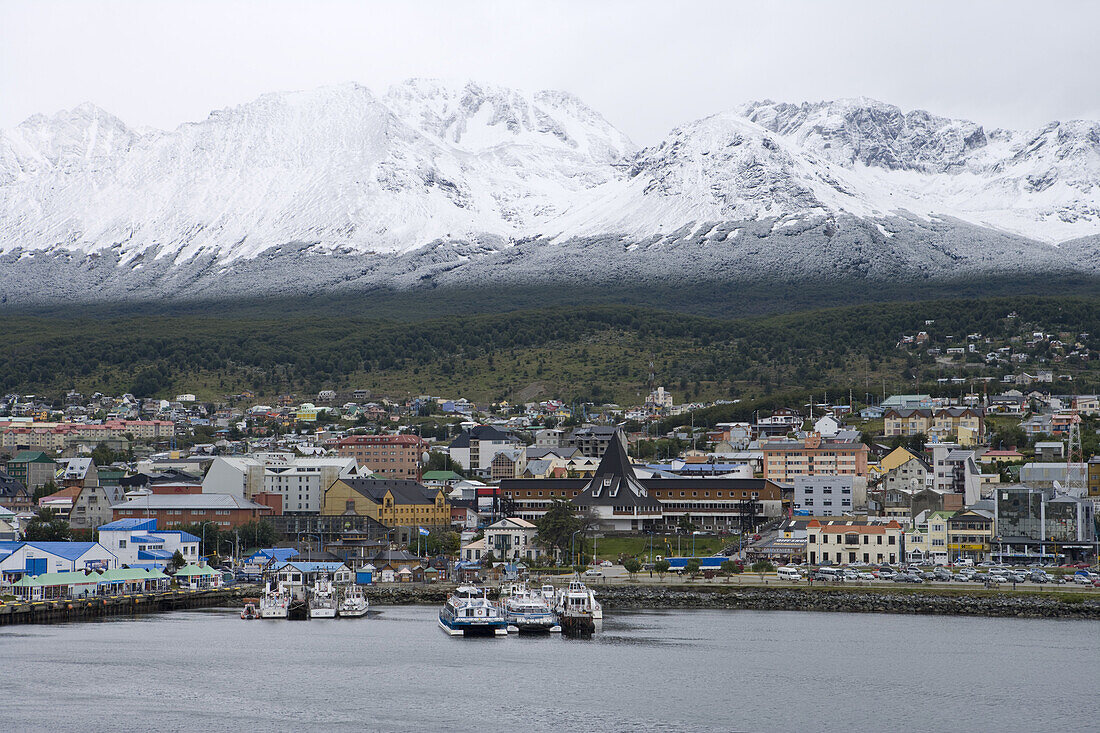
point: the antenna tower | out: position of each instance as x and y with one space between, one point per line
1075 470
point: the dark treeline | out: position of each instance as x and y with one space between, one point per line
153 355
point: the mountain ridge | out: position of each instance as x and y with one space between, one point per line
437 182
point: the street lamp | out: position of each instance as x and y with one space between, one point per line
573 547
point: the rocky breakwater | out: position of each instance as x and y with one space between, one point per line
977 603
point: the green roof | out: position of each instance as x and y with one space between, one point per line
79 578
131 574
56 579
194 569
31 456
440 476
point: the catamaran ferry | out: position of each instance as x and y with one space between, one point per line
527 611
468 612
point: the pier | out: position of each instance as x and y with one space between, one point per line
85 609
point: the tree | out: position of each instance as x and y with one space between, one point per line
685 525
438 461
44 490
46 526
557 526
256 533
178 560
692 567
727 568
442 543
632 566
761 567
208 539
104 456
661 566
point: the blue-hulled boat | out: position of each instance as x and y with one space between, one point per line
468 612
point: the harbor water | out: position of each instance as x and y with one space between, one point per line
395 670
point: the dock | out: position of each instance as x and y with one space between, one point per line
86 609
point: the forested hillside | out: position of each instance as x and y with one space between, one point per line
595 353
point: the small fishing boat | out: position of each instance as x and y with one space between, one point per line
354 603
322 600
275 603
468 612
250 609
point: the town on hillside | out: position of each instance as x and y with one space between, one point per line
431 488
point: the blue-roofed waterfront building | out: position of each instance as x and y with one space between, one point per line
137 543
37 558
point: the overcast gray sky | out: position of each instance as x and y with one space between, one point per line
646 66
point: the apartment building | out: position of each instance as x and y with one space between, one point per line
784 460
829 496
476 448
300 482
942 422
388 456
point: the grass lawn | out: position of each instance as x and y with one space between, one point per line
609 548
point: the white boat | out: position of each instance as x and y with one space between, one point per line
354 603
322 600
528 611
574 594
576 608
468 612
274 603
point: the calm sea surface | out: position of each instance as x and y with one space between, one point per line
669 670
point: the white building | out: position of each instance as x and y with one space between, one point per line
476 448
829 496
842 542
512 539
300 481
827 426
955 470
138 543
36 558
659 399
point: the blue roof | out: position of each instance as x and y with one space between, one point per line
147 565
132 523
184 536
280 554
154 555
67 550
313 567
148 539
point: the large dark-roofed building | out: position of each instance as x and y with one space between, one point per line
713 504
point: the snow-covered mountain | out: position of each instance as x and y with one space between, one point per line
339 187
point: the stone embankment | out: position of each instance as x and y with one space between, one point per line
919 601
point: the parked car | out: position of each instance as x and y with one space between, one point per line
606 564
866 576
1038 576
593 573
1082 579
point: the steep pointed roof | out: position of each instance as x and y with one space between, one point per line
615 484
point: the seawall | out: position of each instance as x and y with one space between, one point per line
1046 604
